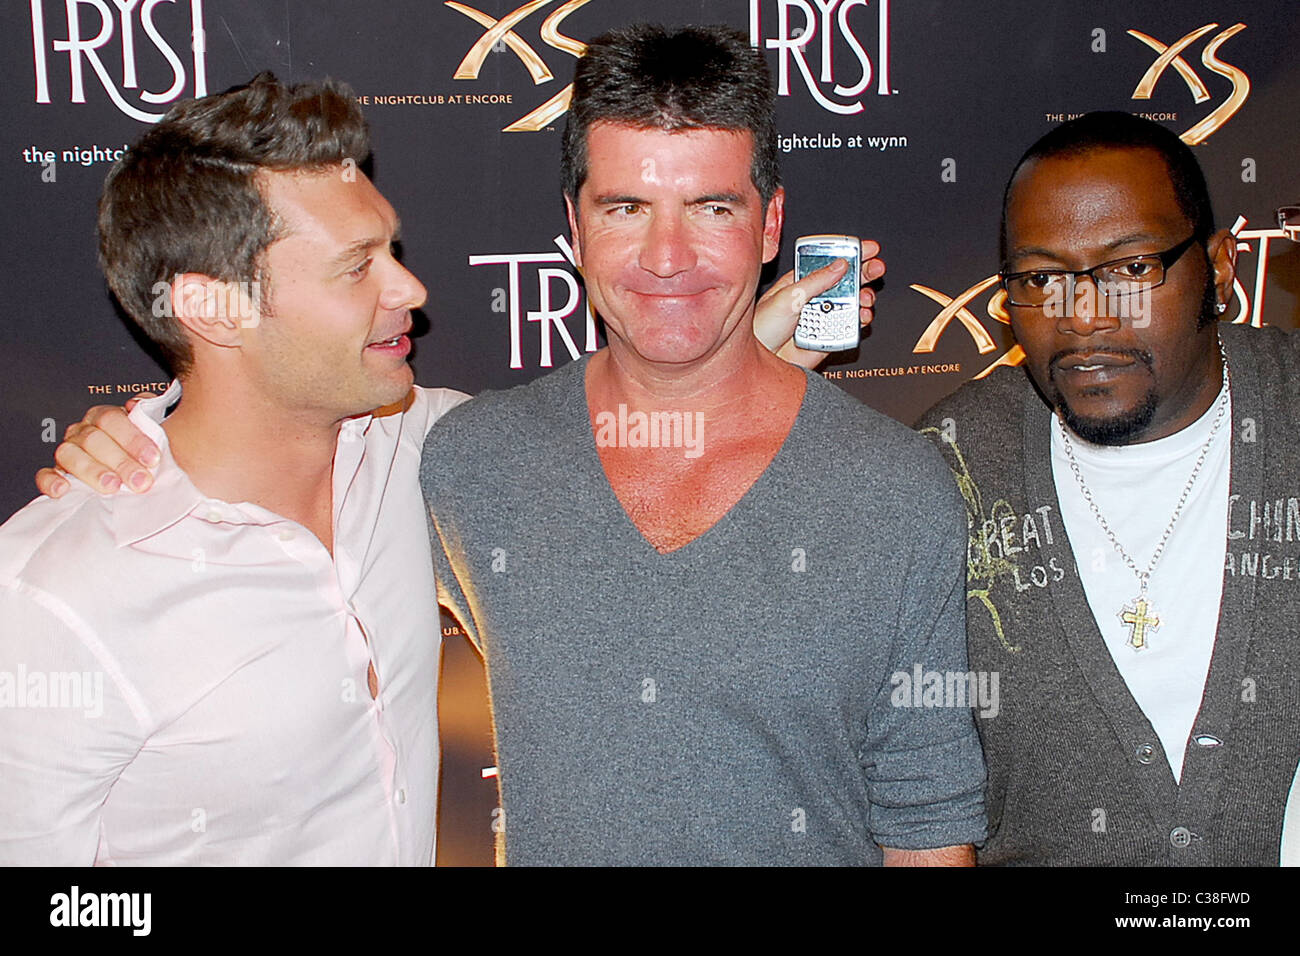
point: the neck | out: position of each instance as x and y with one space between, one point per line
237 446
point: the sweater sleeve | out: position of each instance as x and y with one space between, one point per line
924 766
436 472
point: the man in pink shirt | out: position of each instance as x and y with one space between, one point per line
238 667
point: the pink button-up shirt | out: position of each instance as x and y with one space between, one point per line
183 680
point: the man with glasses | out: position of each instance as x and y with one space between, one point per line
1149 663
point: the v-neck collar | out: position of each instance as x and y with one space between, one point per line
608 499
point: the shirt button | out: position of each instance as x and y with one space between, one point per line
1180 837
213 515
1146 753
401 796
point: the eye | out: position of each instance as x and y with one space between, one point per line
360 269
717 209
626 209
1135 269
1040 280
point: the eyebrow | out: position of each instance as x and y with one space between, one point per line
1111 246
735 198
354 249
618 199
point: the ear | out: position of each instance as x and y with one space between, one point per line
1222 250
215 311
572 211
773 219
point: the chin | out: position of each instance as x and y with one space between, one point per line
1117 429
391 390
672 350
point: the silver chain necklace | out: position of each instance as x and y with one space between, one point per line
1138 614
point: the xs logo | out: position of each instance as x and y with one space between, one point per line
1172 55
954 307
498 32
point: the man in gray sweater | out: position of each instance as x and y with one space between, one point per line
1149 662
708 586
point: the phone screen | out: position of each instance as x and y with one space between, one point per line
847 287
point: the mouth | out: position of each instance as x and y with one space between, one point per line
669 291
1099 363
399 344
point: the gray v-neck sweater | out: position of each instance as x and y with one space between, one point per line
728 702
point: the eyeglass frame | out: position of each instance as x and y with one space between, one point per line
1166 259
1286 213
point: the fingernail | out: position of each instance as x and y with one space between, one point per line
111 482
150 457
60 487
138 478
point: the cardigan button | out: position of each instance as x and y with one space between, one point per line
1146 753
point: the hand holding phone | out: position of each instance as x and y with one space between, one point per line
829 322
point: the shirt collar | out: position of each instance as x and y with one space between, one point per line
173 496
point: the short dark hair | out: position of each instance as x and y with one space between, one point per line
185 197
690 78
1117 130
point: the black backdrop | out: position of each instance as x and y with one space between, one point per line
900 120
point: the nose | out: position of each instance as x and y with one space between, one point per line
403 290
1089 311
666 248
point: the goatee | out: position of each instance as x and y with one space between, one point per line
1118 430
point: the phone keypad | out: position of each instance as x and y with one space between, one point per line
824 321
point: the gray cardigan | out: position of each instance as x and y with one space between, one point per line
1076 774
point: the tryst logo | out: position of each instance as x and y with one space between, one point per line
814 44
103 35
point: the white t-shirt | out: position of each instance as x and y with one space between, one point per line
1137 488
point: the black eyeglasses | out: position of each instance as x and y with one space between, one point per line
1034 288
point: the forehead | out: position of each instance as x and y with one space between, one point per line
336 204
1094 197
670 158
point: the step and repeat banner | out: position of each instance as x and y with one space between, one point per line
899 120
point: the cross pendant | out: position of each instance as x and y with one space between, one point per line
1140 616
